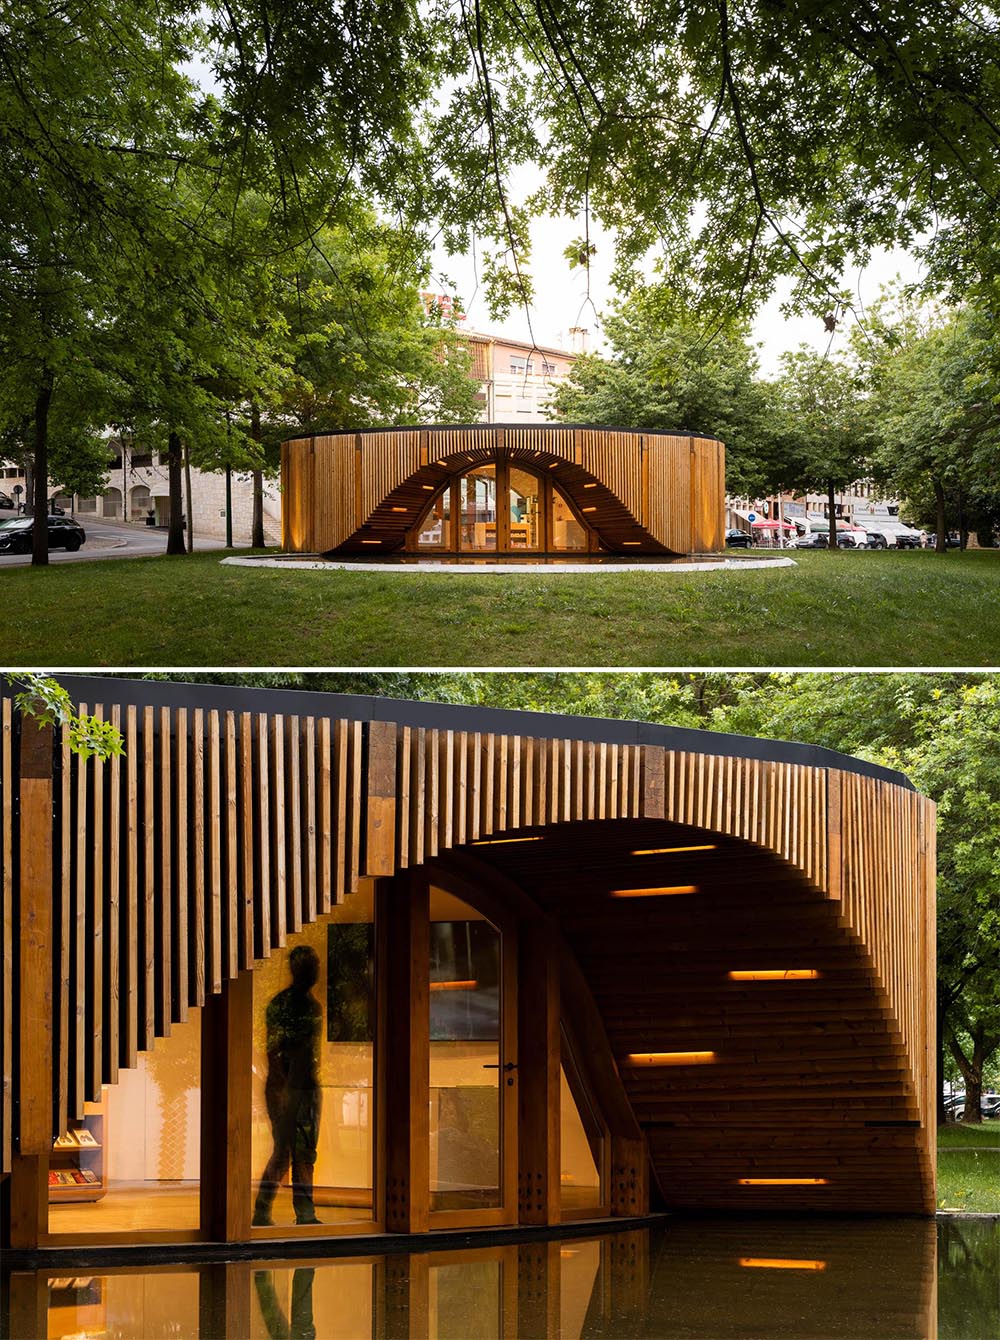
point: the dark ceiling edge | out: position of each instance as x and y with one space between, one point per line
470 427
451 716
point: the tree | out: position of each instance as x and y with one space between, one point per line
824 423
667 373
90 104
936 412
364 349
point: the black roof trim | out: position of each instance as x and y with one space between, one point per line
450 716
469 427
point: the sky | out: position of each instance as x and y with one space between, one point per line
562 301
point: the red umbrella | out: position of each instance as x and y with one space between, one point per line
773 525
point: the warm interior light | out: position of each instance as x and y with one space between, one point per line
588 509
782 1181
554 464
428 488
499 842
631 542
774 975
779 1263
669 851
371 541
662 891
670 1058
590 486
400 509
454 986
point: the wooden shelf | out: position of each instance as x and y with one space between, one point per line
84 1158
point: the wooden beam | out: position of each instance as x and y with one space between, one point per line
226 1061
538 1076
35 1008
380 810
406 915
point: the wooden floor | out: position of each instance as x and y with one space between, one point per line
808 1078
131 1207
149 1206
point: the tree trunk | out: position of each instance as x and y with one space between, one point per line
175 533
190 509
972 1071
832 540
941 537
257 524
40 480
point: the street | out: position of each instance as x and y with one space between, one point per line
107 539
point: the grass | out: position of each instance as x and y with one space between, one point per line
969 1167
880 608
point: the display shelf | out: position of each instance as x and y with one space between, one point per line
79 1153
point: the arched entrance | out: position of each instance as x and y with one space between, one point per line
500 506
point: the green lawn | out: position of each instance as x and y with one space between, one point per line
969 1167
910 608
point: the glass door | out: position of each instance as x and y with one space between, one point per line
473 1066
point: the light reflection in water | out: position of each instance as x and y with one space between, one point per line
687 1280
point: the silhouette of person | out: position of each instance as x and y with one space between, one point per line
291 1090
301 1325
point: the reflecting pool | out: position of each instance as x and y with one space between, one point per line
685 1280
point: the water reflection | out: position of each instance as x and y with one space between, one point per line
688 1280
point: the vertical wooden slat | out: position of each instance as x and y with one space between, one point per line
7 894
147 917
232 900
324 744
95 966
277 806
248 826
78 953
64 1034
293 821
167 838
214 892
130 897
197 914
182 942
309 818
264 874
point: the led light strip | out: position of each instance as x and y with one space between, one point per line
662 891
670 1058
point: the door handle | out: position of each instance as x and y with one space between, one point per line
510 1065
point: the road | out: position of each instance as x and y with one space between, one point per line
106 539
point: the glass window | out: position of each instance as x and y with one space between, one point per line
478 503
524 510
313 1072
436 527
567 533
132 1161
579 1176
465 1056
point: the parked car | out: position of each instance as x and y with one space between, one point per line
820 539
951 541
876 540
908 539
6 500
739 539
64 533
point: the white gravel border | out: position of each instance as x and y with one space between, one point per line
482 569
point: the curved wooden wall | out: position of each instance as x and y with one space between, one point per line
361 492
222 832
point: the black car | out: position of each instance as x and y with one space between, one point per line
64 533
738 539
6 500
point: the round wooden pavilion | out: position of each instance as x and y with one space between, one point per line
556 968
524 492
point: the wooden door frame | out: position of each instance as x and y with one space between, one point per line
506 922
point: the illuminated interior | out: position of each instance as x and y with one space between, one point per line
131 1163
500 507
344 1000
